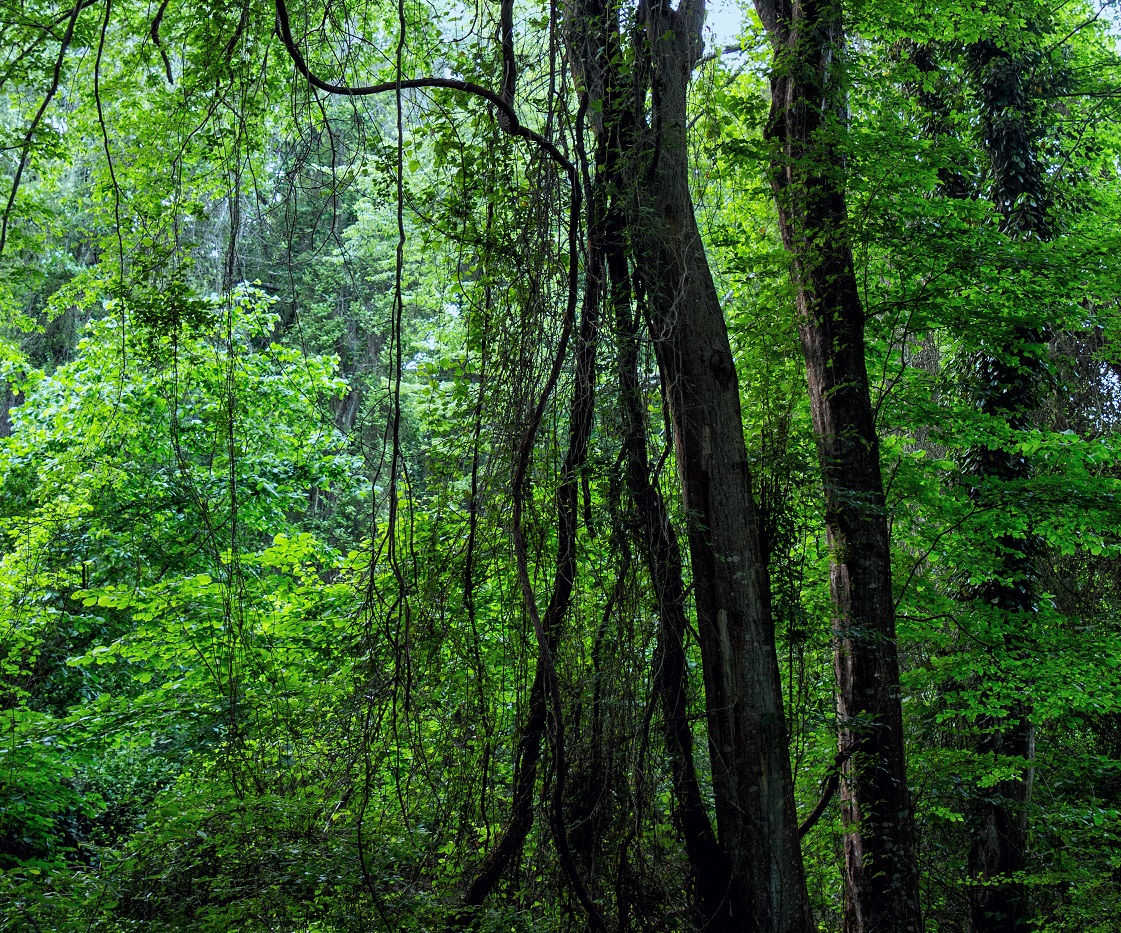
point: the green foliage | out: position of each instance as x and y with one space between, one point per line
262 647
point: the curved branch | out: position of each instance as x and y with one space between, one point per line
25 146
506 40
511 124
239 31
154 32
829 788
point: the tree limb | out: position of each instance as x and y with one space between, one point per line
828 789
514 126
154 32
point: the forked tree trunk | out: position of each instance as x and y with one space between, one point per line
751 775
595 48
717 902
881 873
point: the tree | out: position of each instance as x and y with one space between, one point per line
807 118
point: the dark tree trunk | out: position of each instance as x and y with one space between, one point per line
11 399
716 902
881 873
595 47
998 901
751 775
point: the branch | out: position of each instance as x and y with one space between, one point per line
45 32
25 146
938 537
154 32
514 126
733 49
829 788
511 125
509 65
66 14
236 37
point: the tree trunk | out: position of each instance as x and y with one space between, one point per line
751 776
716 902
881 872
1007 387
11 399
595 49
1003 387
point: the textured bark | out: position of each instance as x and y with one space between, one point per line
751 776
716 901
998 902
595 50
881 873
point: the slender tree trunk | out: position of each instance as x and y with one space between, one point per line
751 775
1007 387
716 902
881 872
11 399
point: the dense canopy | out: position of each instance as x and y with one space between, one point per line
558 467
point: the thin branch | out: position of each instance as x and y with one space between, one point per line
938 537
733 49
154 32
25 147
544 630
509 64
45 32
105 144
239 31
509 123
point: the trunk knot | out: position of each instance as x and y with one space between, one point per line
723 369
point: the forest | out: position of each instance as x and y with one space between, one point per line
562 466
